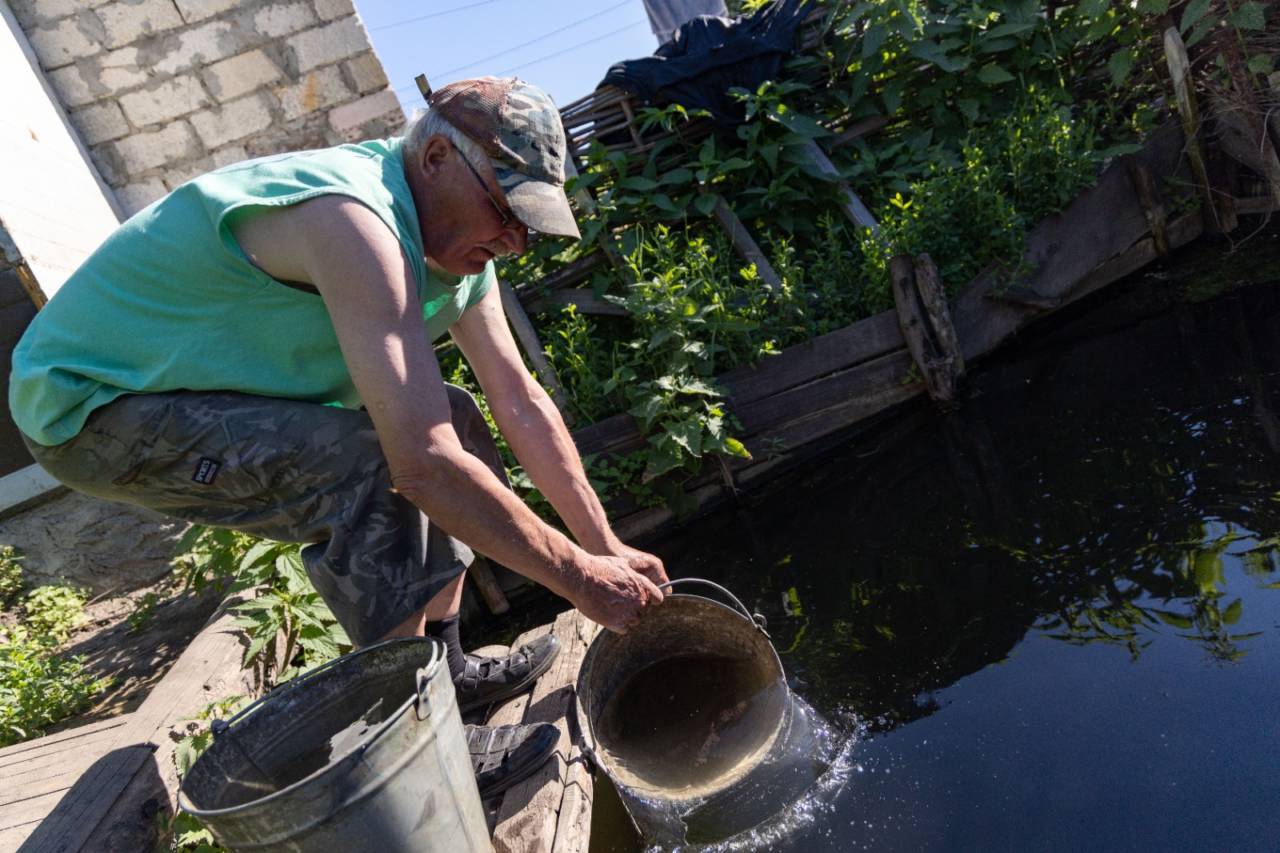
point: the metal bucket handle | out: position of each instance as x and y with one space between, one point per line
423 675
756 619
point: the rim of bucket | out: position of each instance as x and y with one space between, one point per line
587 730
434 664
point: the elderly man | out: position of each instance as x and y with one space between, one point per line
253 351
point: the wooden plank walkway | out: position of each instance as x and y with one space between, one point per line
550 812
98 787
39 772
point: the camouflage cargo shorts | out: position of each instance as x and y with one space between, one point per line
283 470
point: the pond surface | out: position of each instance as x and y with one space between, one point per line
1052 617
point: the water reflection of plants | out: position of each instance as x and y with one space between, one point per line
1181 587
1132 513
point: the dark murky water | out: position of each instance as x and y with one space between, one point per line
1052 617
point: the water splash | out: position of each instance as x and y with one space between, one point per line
831 745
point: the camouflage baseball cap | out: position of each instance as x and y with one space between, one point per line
519 127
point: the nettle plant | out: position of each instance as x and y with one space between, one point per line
289 626
992 116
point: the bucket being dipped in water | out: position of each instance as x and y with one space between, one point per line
690 716
364 753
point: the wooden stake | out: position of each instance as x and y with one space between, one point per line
528 338
481 574
853 208
1145 185
744 244
1175 52
933 296
926 324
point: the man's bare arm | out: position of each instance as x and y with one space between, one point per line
352 258
537 433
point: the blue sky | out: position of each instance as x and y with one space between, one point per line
565 47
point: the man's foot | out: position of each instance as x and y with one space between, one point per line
488 680
501 756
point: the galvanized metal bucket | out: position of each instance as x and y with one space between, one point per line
772 763
366 752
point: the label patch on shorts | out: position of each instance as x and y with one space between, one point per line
206 470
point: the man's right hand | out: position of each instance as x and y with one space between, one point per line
614 594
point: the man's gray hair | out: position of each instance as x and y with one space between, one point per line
426 124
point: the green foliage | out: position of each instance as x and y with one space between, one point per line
144 610
11 584
994 117
290 628
54 611
37 687
199 734
183 831
959 216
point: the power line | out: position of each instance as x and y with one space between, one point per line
541 59
432 15
532 41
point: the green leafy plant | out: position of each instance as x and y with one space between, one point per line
290 628
11 583
991 117
37 687
144 611
54 611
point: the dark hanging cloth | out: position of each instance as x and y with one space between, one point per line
709 56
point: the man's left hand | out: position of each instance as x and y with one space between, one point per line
639 561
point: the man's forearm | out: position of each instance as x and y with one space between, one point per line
543 446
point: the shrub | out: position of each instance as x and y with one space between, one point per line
53 611
38 688
10 576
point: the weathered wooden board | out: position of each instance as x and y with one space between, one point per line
38 773
581 298
104 809
1100 224
569 274
863 341
551 811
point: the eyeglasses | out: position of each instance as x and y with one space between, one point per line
504 212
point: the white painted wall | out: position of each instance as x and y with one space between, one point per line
53 204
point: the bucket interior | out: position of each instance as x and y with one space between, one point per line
686 702
302 731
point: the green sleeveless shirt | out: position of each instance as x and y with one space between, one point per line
170 302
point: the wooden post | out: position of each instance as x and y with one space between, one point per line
1253 116
853 208
926 324
625 103
1221 221
481 574
744 244
1145 186
528 338
933 296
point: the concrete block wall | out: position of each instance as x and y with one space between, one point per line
163 90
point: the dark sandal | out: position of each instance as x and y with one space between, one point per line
501 756
487 680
